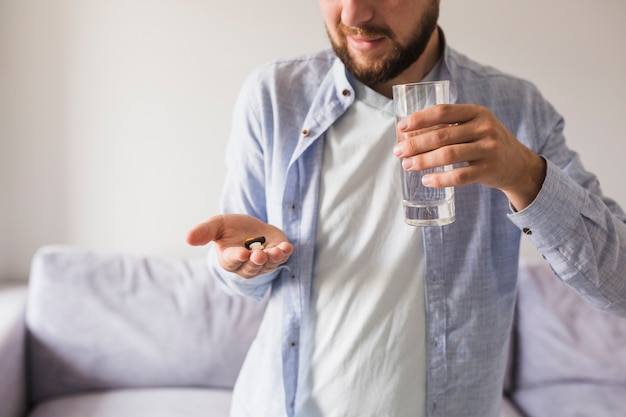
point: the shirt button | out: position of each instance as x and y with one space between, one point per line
436 343
345 93
527 231
305 132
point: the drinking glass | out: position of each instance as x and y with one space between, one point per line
423 206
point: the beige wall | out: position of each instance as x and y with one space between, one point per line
114 114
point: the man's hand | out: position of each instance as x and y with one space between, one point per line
230 231
470 135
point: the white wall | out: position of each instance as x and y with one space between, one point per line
114 114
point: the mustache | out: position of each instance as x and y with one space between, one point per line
365 31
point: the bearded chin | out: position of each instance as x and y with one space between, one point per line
401 57
378 72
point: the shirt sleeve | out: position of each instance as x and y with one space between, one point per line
244 188
581 234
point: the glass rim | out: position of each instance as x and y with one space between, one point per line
434 82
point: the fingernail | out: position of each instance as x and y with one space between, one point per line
402 124
407 164
427 181
397 149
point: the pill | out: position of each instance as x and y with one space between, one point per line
255 243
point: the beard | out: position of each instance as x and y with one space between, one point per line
401 56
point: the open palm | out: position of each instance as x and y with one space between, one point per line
229 232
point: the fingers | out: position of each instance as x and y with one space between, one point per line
438 137
451 178
242 262
448 135
440 114
251 263
438 126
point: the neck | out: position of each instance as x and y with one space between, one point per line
418 70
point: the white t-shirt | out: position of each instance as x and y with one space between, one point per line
365 352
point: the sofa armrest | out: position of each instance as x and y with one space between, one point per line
12 351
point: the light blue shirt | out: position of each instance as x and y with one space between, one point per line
274 159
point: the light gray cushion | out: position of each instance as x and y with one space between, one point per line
108 320
571 357
139 403
573 400
561 338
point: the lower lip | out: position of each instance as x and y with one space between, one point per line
364 45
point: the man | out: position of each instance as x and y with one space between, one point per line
368 316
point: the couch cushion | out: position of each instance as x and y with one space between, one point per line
573 400
562 339
105 320
139 403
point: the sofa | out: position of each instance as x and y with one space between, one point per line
568 359
99 334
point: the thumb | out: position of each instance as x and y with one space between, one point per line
205 232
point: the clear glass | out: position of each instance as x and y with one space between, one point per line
423 206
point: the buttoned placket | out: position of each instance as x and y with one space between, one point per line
296 278
436 369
